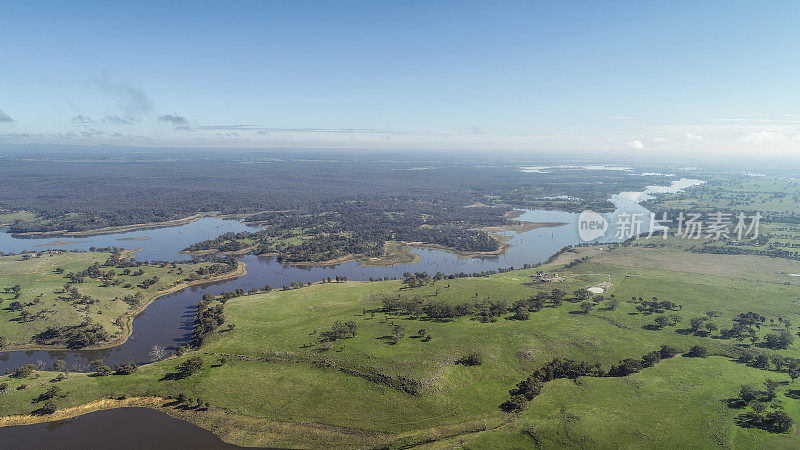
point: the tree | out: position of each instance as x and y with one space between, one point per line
557 296
668 351
126 369
516 403
157 353
625 367
779 422
521 313
24 371
586 307
696 323
748 393
60 366
48 407
698 351
581 294
780 340
661 321
190 366
472 359
651 359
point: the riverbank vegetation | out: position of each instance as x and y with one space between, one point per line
444 360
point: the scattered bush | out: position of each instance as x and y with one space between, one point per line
472 359
698 351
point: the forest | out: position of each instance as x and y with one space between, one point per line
84 191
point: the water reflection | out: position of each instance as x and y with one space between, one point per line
123 428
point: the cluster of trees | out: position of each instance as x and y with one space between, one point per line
15 290
529 388
75 337
197 404
339 330
220 266
147 282
764 412
771 252
156 190
189 366
483 310
656 306
25 371
775 362
208 317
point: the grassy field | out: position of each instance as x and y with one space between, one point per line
8 217
44 301
767 194
282 386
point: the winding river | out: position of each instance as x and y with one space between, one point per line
168 321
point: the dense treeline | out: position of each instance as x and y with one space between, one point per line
527 389
98 192
345 228
735 250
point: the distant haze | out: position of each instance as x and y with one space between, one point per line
663 80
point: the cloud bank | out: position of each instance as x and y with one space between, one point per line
174 119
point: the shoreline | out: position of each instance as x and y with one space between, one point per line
241 269
261 432
119 228
404 249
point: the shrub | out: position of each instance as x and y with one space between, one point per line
516 403
668 351
698 351
626 367
59 377
190 366
48 407
24 372
126 369
780 340
472 359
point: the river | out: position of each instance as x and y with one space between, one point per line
168 320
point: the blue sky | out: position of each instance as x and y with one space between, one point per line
607 76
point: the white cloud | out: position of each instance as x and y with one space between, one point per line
760 138
691 138
636 145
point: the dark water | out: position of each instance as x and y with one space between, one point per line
167 322
123 428
163 244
